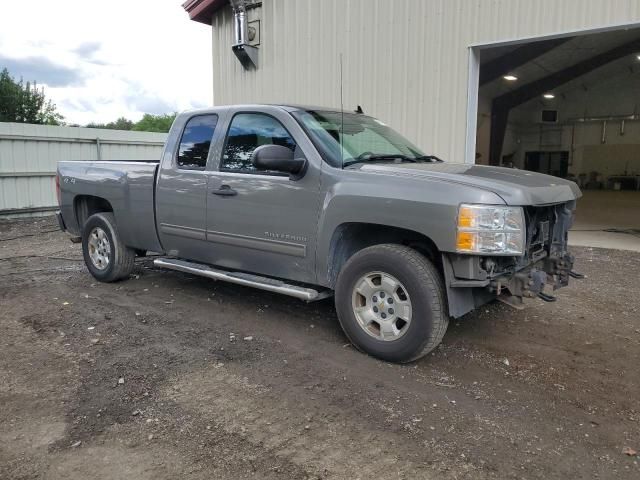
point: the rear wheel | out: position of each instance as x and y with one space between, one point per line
106 257
391 304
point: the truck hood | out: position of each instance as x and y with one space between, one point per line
515 187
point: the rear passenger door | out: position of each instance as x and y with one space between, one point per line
262 221
181 195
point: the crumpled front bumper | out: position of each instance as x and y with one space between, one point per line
532 281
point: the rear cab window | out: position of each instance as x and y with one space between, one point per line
195 142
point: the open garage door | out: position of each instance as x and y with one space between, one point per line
570 107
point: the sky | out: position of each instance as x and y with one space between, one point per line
100 60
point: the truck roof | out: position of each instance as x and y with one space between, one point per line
286 107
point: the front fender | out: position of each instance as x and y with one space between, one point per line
426 207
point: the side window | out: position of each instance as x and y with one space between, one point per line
196 141
247 132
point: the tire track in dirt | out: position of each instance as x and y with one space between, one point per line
330 445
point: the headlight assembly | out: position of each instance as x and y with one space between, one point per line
490 230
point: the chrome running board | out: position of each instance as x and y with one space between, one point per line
246 279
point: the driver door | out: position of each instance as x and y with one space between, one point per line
263 221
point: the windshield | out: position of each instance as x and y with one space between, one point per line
358 138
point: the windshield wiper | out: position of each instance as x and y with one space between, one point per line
382 157
430 158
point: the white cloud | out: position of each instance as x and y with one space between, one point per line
103 60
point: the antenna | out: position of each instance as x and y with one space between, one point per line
341 132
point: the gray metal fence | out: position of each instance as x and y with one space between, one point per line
29 155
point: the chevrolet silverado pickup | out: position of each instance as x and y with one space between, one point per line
313 202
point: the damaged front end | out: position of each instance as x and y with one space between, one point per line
547 260
530 282
546 265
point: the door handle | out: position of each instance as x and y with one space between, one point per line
225 191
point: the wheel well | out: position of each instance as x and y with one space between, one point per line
350 238
87 205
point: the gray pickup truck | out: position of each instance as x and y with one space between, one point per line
313 202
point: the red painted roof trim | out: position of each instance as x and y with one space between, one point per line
202 10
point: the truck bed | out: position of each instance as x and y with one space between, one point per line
129 188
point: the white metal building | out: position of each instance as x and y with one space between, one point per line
413 63
548 85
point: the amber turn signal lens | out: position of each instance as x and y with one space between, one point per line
464 242
465 217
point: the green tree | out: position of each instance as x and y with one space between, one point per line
155 123
25 103
120 124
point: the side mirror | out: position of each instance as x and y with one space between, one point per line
279 159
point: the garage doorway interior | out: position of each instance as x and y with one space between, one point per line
569 106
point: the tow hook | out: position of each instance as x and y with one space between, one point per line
577 275
546 297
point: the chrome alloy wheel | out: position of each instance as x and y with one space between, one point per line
99 248
381 306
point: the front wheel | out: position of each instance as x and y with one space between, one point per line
391 303
106 257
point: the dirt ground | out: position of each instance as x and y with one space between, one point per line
168 375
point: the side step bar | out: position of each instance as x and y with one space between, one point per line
246 279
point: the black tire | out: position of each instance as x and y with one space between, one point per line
424 285
121 257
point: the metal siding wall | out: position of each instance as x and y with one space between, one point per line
405 61
29 155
